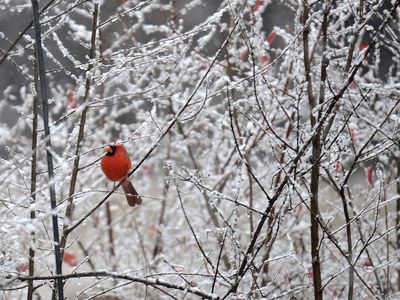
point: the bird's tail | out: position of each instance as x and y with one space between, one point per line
131 194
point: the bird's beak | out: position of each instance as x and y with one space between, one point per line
107 149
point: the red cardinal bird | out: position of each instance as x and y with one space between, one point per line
116 165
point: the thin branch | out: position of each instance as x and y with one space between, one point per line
206 198
75 170
218 261
35 108
50 168
158 243
145 281
192 230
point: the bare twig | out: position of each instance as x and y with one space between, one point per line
218 261
75 170
43 95
145 281
398 217
35 105
158 244
206 198
206 257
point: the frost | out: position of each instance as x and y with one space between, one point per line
30 228
222 149
80 31
395 118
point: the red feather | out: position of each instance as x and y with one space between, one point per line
116 165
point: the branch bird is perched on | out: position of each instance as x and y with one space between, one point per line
116 165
